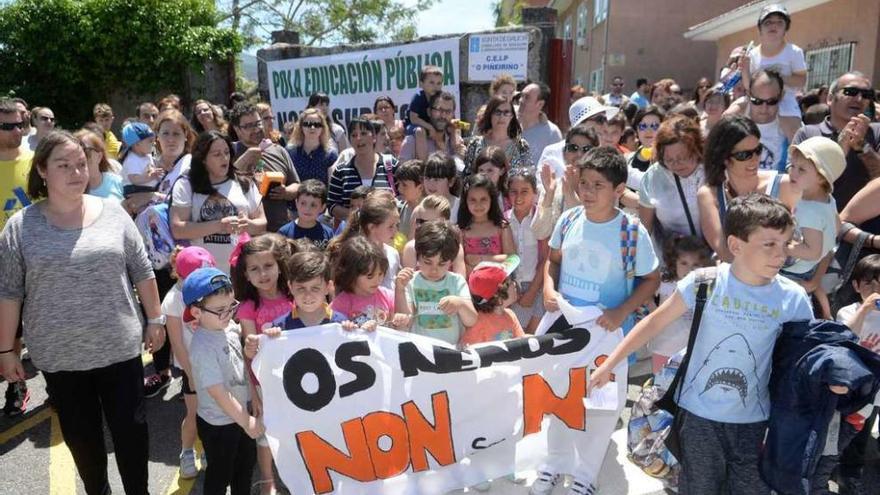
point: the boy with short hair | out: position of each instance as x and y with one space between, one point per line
438 177
311 200
408 178
418 122
724 397
586 260
309 280
437 298
224 425
358 195
863 318
103 115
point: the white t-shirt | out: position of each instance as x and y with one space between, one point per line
393 266
870 328
135 164
173 305
790 59
819 216
659 192
231 201
526 246
180 168
674 337
775 147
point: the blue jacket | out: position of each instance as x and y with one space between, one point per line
809 356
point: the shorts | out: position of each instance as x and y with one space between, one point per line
800 277
525 314
788 107
185 386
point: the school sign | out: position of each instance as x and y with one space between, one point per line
353 80
393 413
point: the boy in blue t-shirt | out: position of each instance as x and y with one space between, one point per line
418 122
311 200
593 271
725 396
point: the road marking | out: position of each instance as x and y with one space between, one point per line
180 486
62 471
25 425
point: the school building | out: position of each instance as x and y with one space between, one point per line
635 38
836 35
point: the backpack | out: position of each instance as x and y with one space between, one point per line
154 224
652 424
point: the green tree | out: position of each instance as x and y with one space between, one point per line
326 22
68 54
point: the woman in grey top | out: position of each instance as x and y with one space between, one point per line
67 265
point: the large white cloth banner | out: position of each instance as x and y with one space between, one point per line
353 80
395 413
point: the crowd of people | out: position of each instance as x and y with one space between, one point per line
413 223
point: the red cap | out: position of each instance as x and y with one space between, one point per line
485 280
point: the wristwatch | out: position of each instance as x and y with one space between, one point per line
157 321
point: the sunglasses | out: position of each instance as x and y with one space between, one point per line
645 126
223 313
312 125
573 148
599 119
744 155
9 126
502 113
251 126
769 101
866 93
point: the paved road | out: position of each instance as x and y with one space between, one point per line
36 461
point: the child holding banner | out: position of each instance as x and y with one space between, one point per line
724 397
492 291
224 424
598 251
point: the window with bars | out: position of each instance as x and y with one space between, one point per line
582 25
600 11
597 80
826 64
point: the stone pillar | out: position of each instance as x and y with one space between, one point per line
284 36
543 18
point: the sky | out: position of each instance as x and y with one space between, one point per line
455 16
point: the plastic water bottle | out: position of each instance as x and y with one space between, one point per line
734 77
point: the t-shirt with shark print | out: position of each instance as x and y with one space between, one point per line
727 379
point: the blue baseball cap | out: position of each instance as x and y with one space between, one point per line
134 132
202 283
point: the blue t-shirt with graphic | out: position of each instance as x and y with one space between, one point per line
727 379
592 272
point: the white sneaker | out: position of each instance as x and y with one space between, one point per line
188 469
580 487
544 484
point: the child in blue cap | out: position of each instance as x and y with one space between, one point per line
225 426
137 156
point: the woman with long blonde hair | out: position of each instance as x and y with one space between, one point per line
310 146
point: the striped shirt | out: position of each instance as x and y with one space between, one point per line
346 179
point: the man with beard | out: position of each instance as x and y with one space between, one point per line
252 156
848 99
441 110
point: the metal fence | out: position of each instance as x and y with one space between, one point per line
826 64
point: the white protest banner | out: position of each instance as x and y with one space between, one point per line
490 55
395 413
353 80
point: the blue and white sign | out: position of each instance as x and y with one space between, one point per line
490 55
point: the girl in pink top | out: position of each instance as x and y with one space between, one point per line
261 288
486 235
358 274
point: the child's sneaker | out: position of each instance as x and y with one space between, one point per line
580 487
544 484
17 397
188 469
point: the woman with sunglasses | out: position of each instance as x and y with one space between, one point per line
498 126
668 193
310 147
43 120
68 265
646 123
732 158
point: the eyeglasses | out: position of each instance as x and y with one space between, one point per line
10 126
644 126
769 101
448 111
268 118
573 148
90 149
866 93
744 155
47 119
251 126
223 313
502 113
312 125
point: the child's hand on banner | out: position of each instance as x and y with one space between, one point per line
611 319
599 377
